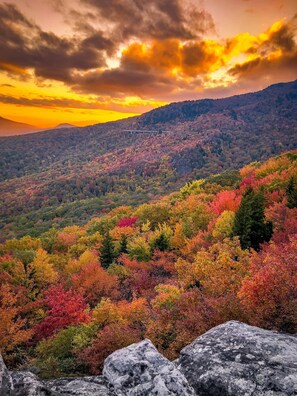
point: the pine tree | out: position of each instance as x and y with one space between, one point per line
250 223
107 254
291 193
161 243
123 245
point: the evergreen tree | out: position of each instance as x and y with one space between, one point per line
250 223
123 245
161 243
107 251
291 193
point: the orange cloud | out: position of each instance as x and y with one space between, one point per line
14 69
161 61
175 57
273 55
202 57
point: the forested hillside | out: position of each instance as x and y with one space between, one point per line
218 249
67 176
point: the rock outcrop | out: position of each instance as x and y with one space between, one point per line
232 359
141 370
5 379
240 360
26 383
85 386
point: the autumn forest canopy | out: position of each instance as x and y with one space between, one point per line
215 250
148 190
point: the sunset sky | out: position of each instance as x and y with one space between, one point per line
89 61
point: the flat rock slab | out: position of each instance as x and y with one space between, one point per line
85 386
140 370
235 359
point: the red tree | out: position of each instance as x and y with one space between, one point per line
127 222
225 200
94 282
269 296
65 308
112 337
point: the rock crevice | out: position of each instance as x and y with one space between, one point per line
233 359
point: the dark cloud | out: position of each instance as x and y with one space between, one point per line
268 68
284 38
78 61
148 71
47 102
24 45
154 19
275 58
165 55
8 12
54 103
122 82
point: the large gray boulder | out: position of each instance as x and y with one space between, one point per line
235 359
140 370
232 359
26 383
5 380
85 386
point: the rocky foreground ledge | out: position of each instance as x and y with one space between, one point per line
232 359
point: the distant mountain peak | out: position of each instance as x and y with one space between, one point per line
64 125
10 127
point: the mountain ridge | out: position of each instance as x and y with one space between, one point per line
168 106
13 128
81 171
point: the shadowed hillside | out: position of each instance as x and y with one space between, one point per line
69 175
10 128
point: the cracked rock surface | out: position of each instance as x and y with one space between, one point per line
92 386
141 370
233 359
5 379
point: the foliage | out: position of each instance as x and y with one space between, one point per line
139 248
127 222
249 223
107 253
224 225
111 338
269 295
14 329
291 192
43 271
168 270
93 282
64 308
56 356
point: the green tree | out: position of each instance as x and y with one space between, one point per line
249 223
291 193
161 243
123 245
107 254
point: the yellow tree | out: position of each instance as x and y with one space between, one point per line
178 238
224 225
13 328
218 272
75 265
43 270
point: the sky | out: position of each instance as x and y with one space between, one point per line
91 61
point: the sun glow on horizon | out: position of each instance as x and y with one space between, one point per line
103 76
